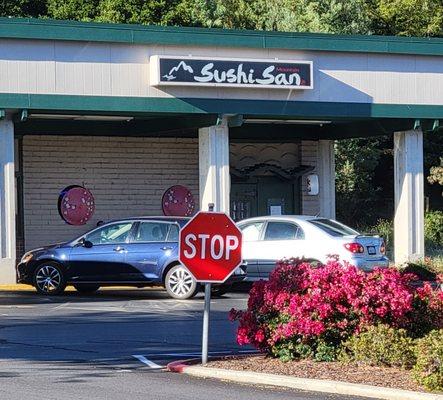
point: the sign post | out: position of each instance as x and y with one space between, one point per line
210 248
205 336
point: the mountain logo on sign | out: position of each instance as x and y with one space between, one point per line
170 76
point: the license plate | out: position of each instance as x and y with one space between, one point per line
371 250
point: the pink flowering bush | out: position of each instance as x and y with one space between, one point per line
304 311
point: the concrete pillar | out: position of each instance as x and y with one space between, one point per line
326 178
7 202
214 167
409 208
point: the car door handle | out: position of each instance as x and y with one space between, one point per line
166 248
119 248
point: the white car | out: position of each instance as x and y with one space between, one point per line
271 238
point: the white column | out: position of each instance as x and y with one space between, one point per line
214 167
7 202
409 208
326 178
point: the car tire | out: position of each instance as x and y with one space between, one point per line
220 290
49 279
87 288
180 284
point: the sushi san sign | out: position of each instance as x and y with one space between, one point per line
192 71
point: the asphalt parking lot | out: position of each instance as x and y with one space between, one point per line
114 344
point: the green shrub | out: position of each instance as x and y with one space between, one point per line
385 229
421 269
380 345
428 371
434 229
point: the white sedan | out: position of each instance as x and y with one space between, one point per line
269 239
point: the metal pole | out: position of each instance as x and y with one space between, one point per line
206 312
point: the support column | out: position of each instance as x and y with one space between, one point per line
326 171
7 202
409 207
214 167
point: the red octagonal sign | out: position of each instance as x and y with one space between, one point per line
210 247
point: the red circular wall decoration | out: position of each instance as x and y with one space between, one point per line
76 205
178 201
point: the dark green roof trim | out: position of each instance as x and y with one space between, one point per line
187 127
28 28
151 106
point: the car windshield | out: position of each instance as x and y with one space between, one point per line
333 228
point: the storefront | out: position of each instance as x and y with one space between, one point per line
243 120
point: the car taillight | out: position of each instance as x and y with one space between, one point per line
382 248
354 248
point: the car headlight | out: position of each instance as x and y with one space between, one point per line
26 257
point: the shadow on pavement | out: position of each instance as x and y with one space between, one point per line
29 297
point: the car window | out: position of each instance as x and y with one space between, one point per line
151 232
110 234
173 233
251 232
283 231
333 228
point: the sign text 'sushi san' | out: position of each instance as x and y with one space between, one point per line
188 71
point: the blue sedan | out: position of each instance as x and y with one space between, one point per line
136 252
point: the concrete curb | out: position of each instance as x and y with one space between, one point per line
312 385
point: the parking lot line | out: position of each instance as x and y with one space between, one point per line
144 360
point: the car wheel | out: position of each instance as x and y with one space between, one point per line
180 284
220 290
86 288
49 279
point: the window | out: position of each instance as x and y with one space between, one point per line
173 233
283 231
110 234
251 232
151 232
333 228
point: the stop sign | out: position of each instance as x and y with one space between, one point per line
210 247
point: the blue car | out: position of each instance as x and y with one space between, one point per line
136 252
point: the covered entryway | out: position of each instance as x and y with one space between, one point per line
144 110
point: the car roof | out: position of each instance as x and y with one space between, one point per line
151 218
280 218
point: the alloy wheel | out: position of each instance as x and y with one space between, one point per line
181 282
48 279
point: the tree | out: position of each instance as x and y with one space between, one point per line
408 17
23 8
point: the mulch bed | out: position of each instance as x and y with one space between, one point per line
354 373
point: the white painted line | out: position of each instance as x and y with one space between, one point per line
144 360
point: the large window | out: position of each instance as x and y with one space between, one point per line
152 232
333 228
283 231
251 232
173 233
110 234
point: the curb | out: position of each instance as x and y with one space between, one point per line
312 385
15 287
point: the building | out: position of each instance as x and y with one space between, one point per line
243 119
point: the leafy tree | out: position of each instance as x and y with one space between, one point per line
23 8
356 188
408 17
80 10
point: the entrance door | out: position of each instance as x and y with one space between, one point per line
267 195
275 197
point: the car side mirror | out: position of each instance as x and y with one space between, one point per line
87 244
